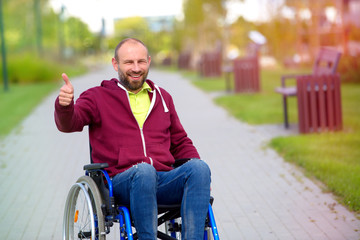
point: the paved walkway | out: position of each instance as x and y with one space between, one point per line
257 195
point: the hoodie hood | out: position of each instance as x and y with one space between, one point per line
114 84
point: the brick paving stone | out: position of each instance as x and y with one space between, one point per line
257 194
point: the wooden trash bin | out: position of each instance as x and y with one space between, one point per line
326 62
246 74
319 103
210 64
184 60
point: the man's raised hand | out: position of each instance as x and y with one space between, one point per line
66 94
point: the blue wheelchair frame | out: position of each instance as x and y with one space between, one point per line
124 217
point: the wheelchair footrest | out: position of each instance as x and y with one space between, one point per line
174 227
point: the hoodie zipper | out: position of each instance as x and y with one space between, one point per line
144 145
141 129
150 109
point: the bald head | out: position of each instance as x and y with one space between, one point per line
128 41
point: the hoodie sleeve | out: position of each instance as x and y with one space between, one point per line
181 145
74 117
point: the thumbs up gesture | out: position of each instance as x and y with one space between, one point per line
66 94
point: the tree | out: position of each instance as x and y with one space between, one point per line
203 23
310 29
24 33
132 27
159 40
239 31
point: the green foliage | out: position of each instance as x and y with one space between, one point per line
196 12
19 24
132 27
239 31
203 23
279 33
193 11
48 35
31 69
138 27
349 68
78 37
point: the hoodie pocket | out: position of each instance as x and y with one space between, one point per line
129 156
160 154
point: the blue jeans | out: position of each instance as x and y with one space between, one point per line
142 187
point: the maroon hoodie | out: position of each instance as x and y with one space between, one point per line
115 135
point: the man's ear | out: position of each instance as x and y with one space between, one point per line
115 64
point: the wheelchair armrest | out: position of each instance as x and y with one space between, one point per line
179 162
95 166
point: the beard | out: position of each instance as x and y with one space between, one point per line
132 86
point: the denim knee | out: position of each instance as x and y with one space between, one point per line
200 169
145 172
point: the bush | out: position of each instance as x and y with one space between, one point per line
349 68
29 68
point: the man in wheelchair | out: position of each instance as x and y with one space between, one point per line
134 127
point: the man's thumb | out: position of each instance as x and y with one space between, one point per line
66 79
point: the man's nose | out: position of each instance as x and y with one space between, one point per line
136 67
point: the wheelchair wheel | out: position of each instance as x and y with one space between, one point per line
208 234
83 217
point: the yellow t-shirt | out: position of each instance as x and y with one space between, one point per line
140 104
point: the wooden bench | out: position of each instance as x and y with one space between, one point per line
326 62
319 103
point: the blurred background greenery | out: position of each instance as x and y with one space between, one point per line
40 42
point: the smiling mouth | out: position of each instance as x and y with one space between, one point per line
135 76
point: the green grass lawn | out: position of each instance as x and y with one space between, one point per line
19 101
332 158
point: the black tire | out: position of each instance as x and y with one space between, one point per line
83 217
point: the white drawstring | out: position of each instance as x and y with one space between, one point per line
163 101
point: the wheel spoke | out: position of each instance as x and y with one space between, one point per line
83 206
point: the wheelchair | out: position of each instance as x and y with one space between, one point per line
91 211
